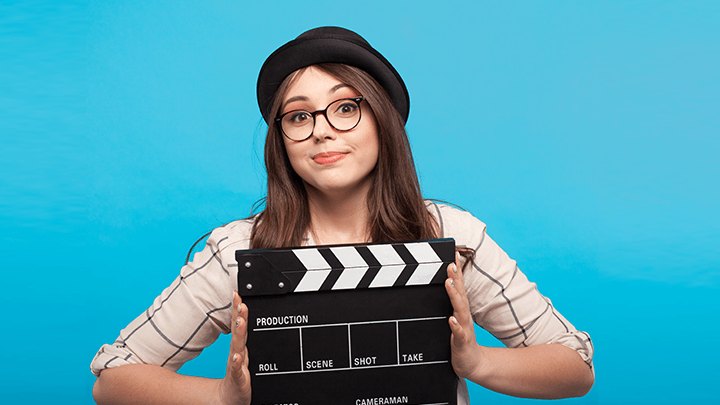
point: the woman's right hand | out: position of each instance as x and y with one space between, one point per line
235 388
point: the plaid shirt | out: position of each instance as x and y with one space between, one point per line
191 313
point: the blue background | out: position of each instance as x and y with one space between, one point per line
585 134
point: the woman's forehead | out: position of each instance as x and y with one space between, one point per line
313 83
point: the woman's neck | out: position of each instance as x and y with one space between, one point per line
338 219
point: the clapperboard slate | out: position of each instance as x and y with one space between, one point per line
349 324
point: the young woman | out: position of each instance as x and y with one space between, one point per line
340 170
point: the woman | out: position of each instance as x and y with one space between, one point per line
340 170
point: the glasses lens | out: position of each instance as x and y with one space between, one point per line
344 114
297 125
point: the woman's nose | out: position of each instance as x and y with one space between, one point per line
323 129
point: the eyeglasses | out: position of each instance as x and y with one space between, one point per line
343 115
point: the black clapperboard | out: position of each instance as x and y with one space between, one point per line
349 324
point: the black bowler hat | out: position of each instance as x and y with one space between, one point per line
329 45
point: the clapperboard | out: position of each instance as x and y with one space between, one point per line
349 324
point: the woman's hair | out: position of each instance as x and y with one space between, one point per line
396 207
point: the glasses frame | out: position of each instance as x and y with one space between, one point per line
357 101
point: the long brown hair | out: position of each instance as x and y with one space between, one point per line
396 207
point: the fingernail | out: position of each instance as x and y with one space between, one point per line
237 322
238 308
235 357
454 268
452 318
452 282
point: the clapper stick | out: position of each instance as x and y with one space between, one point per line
349 324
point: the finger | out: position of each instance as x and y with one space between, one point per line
457 294
459 301
452 268
242 366
236 302
239 334
246 359
236 363
458 332
240 374
239 360
457 276
242 377
239 311
456 273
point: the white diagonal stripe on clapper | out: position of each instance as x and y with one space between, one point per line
355 267
387 275
392 265
318 269
429 263
385 254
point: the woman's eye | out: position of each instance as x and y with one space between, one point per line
299 117
347 108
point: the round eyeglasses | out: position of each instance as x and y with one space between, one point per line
343 115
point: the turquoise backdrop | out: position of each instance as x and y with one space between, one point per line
584 133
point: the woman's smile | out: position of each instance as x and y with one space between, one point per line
326 158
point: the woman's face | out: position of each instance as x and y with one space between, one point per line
330 161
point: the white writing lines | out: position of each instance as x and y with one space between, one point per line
355 368
350 323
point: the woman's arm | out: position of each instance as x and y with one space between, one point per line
541 371
152 384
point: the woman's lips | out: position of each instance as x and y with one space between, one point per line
328 157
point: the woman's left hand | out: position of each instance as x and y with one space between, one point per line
467 355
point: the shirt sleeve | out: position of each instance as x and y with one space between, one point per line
502 299
187 316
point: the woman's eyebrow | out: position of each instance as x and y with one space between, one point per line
291 99
333 89
337 87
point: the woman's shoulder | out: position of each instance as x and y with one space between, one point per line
234 234
219 251
455 222
238 228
